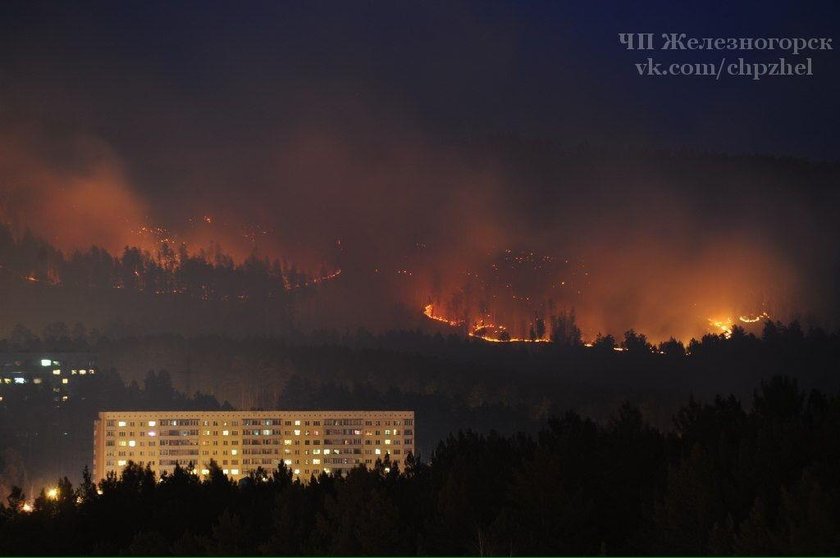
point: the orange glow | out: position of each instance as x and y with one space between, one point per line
723 326
754 319
480 330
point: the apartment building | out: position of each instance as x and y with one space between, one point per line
308 442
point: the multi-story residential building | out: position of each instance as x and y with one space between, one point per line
60 373
308 442
40 397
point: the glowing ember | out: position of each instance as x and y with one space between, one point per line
724 326
489 332
754 319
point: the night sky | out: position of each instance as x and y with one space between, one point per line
381 125
202 76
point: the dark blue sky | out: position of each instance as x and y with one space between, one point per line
544 69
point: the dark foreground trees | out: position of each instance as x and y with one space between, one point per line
725 481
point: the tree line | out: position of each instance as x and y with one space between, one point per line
168 270
724 480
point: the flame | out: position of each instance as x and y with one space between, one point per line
725 325
754 319
429 312
480 330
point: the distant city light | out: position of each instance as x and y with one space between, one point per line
46 362
52 493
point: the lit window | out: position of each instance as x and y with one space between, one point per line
121 423
225 471
288 462
82 372
387 442
36 381
378 451
122 443
327 470
316 461
46 362
65 380
327 451
234 471
205 471
297 432
131 443
297 423
20 380
225 432
234 452
56 372
152 433
121 462
297 471
152 423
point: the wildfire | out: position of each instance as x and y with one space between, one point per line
489 332
754 319
725 325
493 333
315 280
429 312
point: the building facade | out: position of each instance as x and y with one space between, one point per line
308 442
60 373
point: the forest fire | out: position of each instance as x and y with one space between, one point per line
489 332
724 326
764 316
429 312
162 271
